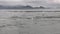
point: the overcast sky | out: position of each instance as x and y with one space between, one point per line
30 2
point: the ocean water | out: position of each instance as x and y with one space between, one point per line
29 12
31 21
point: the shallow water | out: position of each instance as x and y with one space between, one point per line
29 23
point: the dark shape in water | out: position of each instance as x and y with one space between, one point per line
38 17
28 18
2 26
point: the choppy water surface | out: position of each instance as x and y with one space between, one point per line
20 22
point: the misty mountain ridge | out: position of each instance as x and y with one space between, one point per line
20 7
26 7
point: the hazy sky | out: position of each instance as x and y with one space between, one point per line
29 2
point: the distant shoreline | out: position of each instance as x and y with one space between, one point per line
35 10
